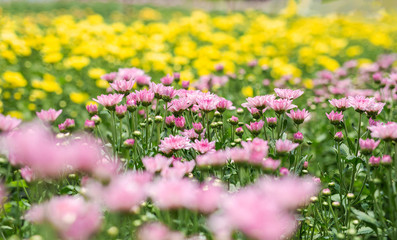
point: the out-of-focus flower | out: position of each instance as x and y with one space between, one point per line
288 93
174 143
49 116
8 123
285 146
386 132
156 163
368 145
203 146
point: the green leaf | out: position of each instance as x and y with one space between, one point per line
365 217
365 231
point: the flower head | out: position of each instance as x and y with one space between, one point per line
288 93
109 101
335 117
48 116
255 127
340 104
122 86
203 146
285 146
281 105
8 123
368 145
298 116
174 143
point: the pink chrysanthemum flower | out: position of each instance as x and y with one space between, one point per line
223 104
285 146
156 163
215 158
122 86
255 127
109 76
360 103
340 104
180 122
167 80
145 97
203 146
157 231
335 117
299 116
271 164
281 105
374 109
256 150
386 132
191 134
49 116
109 101
368 145
374 161
8 123
259 102
71 217
207 102
288 93
174 143
178 106
92 109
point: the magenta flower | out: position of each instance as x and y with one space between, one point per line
167 80
285 146
374 161
49 116
109 101
143 80
198 127
340 104
335 117
288 93
255 127
67 125
223 104
203 146
89 124
255 150
129 143
8 123
92 109
284 171
185 84
338 136
207 102
71 217
259 102
180 122
368 145
121 110
233 120
178 106
167 93
145 97
170 121
281 105
386 132
298 137
298 116
174 143
271 122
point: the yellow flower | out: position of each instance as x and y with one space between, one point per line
96 73
247 91
76 62
53 57
78 97
308 83
354 51
32 106
15 114
14 79
102 83
36 94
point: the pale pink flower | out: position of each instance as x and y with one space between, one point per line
129 143
338 136
121 110
386 160
209 196
335 117
27 174
259 102
299 116
288 93
214 158
271 164
110 100
167 80
198 127
130 73
203 146
284 171
223 104
126 191
281 105
177 106
256 113
256 150
167 93
255 127
122 86
8 123
190 133
174 143
89 124
386 132
368 145
145 97
298 137
173 193
285 146
170 121
207 102
143 80
71 217
271 122
360 103
156 163
374 109
340 104
49 116
109 76
158 231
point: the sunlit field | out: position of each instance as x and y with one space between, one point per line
152 123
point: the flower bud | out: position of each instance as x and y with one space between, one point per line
350 196
298 137
129 143
89 125
239 131
306 164
217 114
240 111
120 111
386 160
198 128
237 140
331 184
284 171
338 137
314 199
158 119
92 109
177 77
326 191
374 161
113 231
96 119
213 125
185 84
137 133
336 204
233 120
271 122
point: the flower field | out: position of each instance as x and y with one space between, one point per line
149 123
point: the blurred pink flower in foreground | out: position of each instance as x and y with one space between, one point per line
8 123
71 217
285 146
